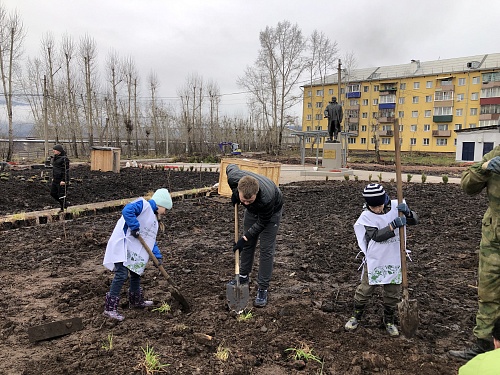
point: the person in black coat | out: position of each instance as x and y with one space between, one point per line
60 176
263 201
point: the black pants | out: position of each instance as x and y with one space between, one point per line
333 128
58 192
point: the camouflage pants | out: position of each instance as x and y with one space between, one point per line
488 284
364 291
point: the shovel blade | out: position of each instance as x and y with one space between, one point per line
408 317
237 296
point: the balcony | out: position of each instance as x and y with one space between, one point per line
385 133
442 118
388 89
386 119
441 133
355 94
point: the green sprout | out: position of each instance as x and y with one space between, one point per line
222 353
151 363
164 308
108 344
445 179
243 317
424 178
408 177
346 177
380 177
303 353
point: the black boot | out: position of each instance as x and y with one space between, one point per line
481 346
390 321
136 300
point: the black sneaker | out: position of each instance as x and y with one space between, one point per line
244 279
261 299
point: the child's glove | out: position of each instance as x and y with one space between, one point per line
398 222
239 245
160 262
403 207
135 233
494 165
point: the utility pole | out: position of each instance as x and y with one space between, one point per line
45 118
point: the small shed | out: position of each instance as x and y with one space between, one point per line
473 143
269 169
105 159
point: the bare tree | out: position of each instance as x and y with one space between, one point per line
11 38
130 77
88 55
190 102
154 84
273 78
113 72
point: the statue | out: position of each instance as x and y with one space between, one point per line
335 115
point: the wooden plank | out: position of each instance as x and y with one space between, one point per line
54 329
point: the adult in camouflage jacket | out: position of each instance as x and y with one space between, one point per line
486 174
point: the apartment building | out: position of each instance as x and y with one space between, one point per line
428 100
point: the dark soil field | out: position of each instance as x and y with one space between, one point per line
54 271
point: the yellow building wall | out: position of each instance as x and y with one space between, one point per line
316 99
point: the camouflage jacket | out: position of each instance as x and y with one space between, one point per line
475 179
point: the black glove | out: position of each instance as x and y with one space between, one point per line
239 245
398 222
160 262
403 207
135 233
494 165
235 198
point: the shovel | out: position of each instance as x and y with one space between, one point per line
170 284
237 294
408 310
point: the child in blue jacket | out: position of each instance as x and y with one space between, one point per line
125 253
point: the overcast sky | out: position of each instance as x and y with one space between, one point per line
217 39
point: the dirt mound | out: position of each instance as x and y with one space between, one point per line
54 271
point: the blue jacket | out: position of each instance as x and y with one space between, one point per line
130 213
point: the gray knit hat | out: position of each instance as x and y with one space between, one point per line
59 148
374 195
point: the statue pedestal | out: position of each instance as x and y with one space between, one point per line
332 155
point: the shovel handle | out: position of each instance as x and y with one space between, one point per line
399 187
237 252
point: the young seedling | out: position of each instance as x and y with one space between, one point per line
424 178
108 344
380 177
303 353
445 179
408 177
356 177
222 353
370 177
164 308
346 177
151 363
243 317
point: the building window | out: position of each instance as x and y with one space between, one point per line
472 126
428 98
474 96
363 128
414 114
365 101
309 93
356 87
460 97
388 99
353 102
366 88
387 128
415 100
319 117
375 87
374 114
364 115
427 113
401 100
375 101
443 95
416 85
425 141
309 117
319 104
319 92
363 141
401 114
413 141
459 112
427 127
458 126
318 127
441 141
473 111
492 92
475 80
330 92
309 105
351 140
428 84
386 141
461 81
308 129
402 86
443 111
413 128
308 139
442 126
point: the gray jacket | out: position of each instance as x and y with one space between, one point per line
269 199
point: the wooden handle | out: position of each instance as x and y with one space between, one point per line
155 261
237 252
399 187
